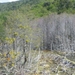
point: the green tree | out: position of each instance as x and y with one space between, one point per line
2 26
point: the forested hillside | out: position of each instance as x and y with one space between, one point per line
34 9
58 6
27 27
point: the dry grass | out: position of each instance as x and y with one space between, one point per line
44 63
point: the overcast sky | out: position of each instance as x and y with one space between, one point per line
1 1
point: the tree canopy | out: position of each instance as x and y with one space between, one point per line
33 9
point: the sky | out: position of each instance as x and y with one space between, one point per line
3 1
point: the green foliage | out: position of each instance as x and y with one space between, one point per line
40 7
31 9
2 26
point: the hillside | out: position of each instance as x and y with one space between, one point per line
34 9
37 37
42 6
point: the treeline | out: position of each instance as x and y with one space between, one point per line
42 6
33 9
15 5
